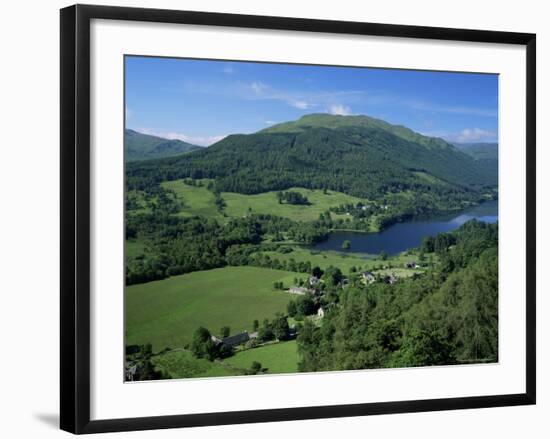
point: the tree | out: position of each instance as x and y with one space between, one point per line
224 331
280 327
291 308
346 245
317 272
333 276
305 306
427 245
383 255
140 357
255 325
423 348
265 333
202 345
255 367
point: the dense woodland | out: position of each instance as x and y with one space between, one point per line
449 316
177 245
361 161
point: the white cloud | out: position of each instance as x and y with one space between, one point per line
423 106
340 109
270 122
195 140
228 69
308 99
468 135
259 87
301 105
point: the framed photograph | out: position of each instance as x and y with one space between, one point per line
268 219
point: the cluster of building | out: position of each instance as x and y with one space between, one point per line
312 282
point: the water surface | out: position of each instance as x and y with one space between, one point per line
405 235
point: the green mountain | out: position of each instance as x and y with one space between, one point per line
479 151
358 155
139 146
323 120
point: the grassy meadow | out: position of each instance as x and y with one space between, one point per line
165 313
279 357
198 200
345 260
182 364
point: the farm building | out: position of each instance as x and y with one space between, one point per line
235 340
130 371
298 290
368 277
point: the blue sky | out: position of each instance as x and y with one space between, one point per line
203 101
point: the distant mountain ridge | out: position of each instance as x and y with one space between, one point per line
487 150
324 120
139 146
358 155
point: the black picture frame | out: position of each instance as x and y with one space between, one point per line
75 217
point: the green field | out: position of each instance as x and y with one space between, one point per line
195 200
198 200
182 364
239 205
343 260
165 313
279 357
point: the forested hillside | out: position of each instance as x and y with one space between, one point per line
449 316
139 146
479 151
359 157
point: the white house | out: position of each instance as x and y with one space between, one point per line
313 280
368 277
297 290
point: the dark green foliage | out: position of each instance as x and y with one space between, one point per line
302 306
203 346
359 159
265 332
225 331
291 197
447 317
332 276
179 245
317 272
292 309
428 244
255 367
280 327
138 359
346 245
140 146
